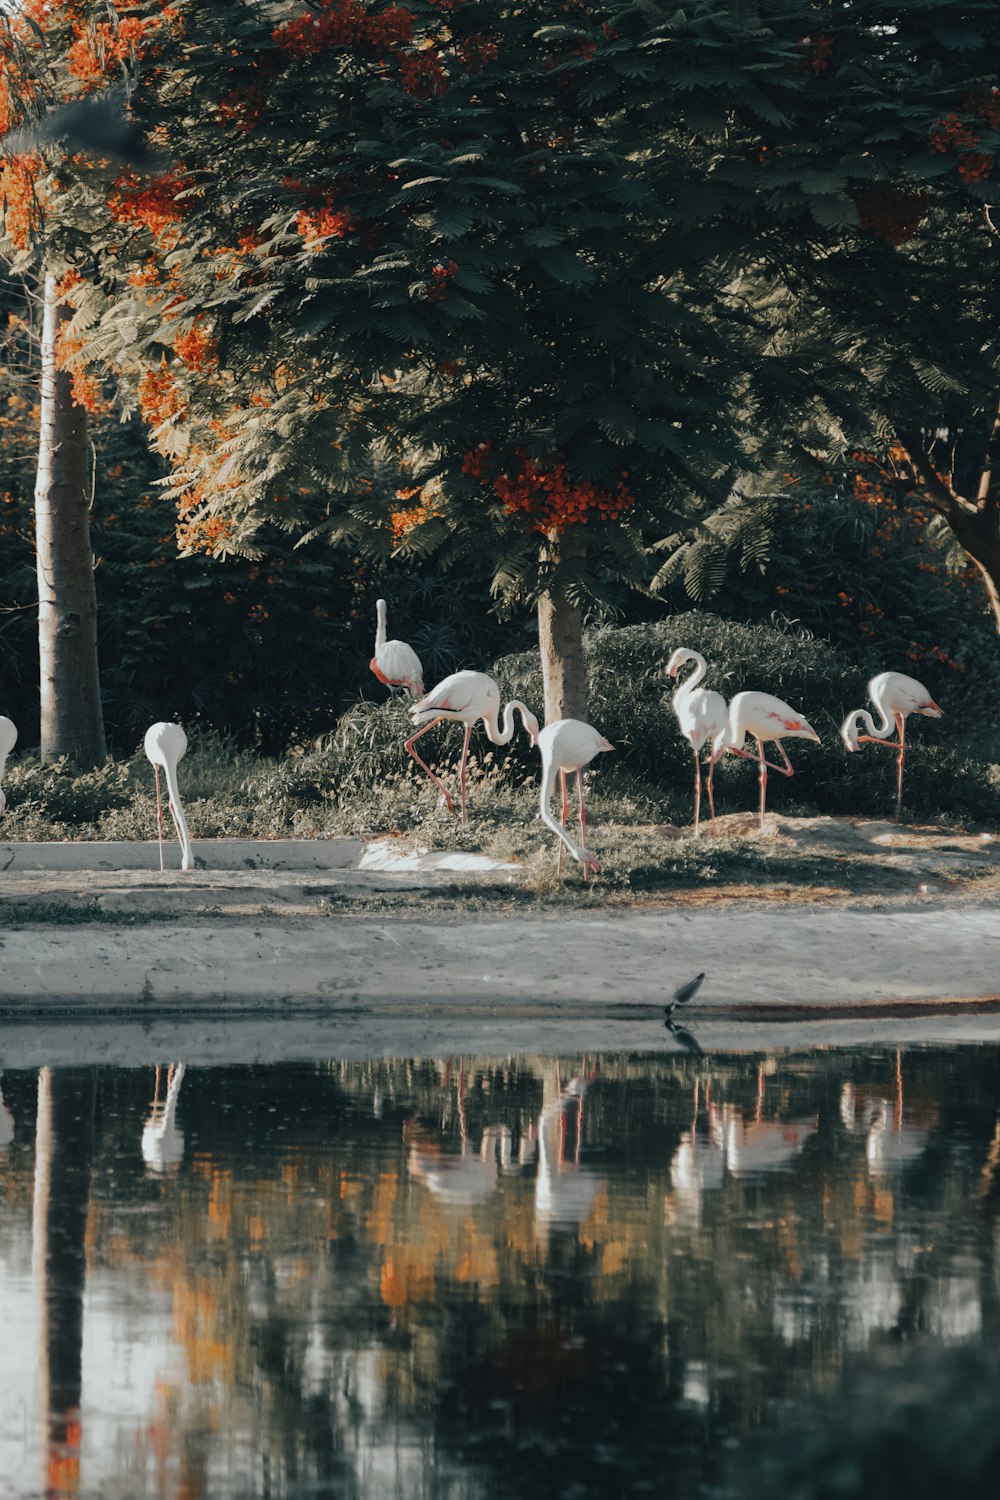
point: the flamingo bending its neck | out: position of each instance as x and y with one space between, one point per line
395 663
165 745
568 745
702 715
895 696
8 739
765 718
465 697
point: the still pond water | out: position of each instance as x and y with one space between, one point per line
473 1277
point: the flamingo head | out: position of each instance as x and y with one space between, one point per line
604 744
931 711
849 732
680 656
531 725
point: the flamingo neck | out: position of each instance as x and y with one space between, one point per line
887 725
690 683
380 614
503 736
180 822
849 733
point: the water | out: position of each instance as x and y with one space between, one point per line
474 1277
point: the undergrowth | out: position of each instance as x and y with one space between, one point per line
358 779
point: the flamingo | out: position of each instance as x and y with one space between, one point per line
895 696
395 663
8 739
165 745
465 697
765 718
701 714
568 745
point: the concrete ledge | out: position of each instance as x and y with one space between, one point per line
210 854
778 965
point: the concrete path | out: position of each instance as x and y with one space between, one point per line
762 963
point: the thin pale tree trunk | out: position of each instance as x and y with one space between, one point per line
560 640
72 720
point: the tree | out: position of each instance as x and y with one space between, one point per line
41 222
446 279
884 308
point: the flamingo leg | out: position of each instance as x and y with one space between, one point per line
762 777
901 762
159 811
711 791
745 755
409 744
565 815
462 768
583 820
789 769
697 789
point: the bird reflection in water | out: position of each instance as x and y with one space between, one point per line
565 1188
162 1140
472 1175
889 1142
731 1142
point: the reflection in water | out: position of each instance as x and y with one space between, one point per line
398 1278
162 1141
6 1120
63 1148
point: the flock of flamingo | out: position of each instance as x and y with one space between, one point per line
568 745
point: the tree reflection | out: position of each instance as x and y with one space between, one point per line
64 1139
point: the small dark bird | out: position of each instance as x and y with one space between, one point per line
97 125
683 995
685 1038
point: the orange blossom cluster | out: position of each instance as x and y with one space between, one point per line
952 134
340 23
545 495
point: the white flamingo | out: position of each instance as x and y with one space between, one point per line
162 1141
165 745
568 745
895 696
8 739
702 714
765 718
395 663
465 697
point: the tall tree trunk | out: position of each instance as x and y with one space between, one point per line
64 1141
72 721
560 638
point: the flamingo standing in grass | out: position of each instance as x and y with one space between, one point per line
395 663
702 715
765 718
8 739
568 745
165 745
895 696
465 697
